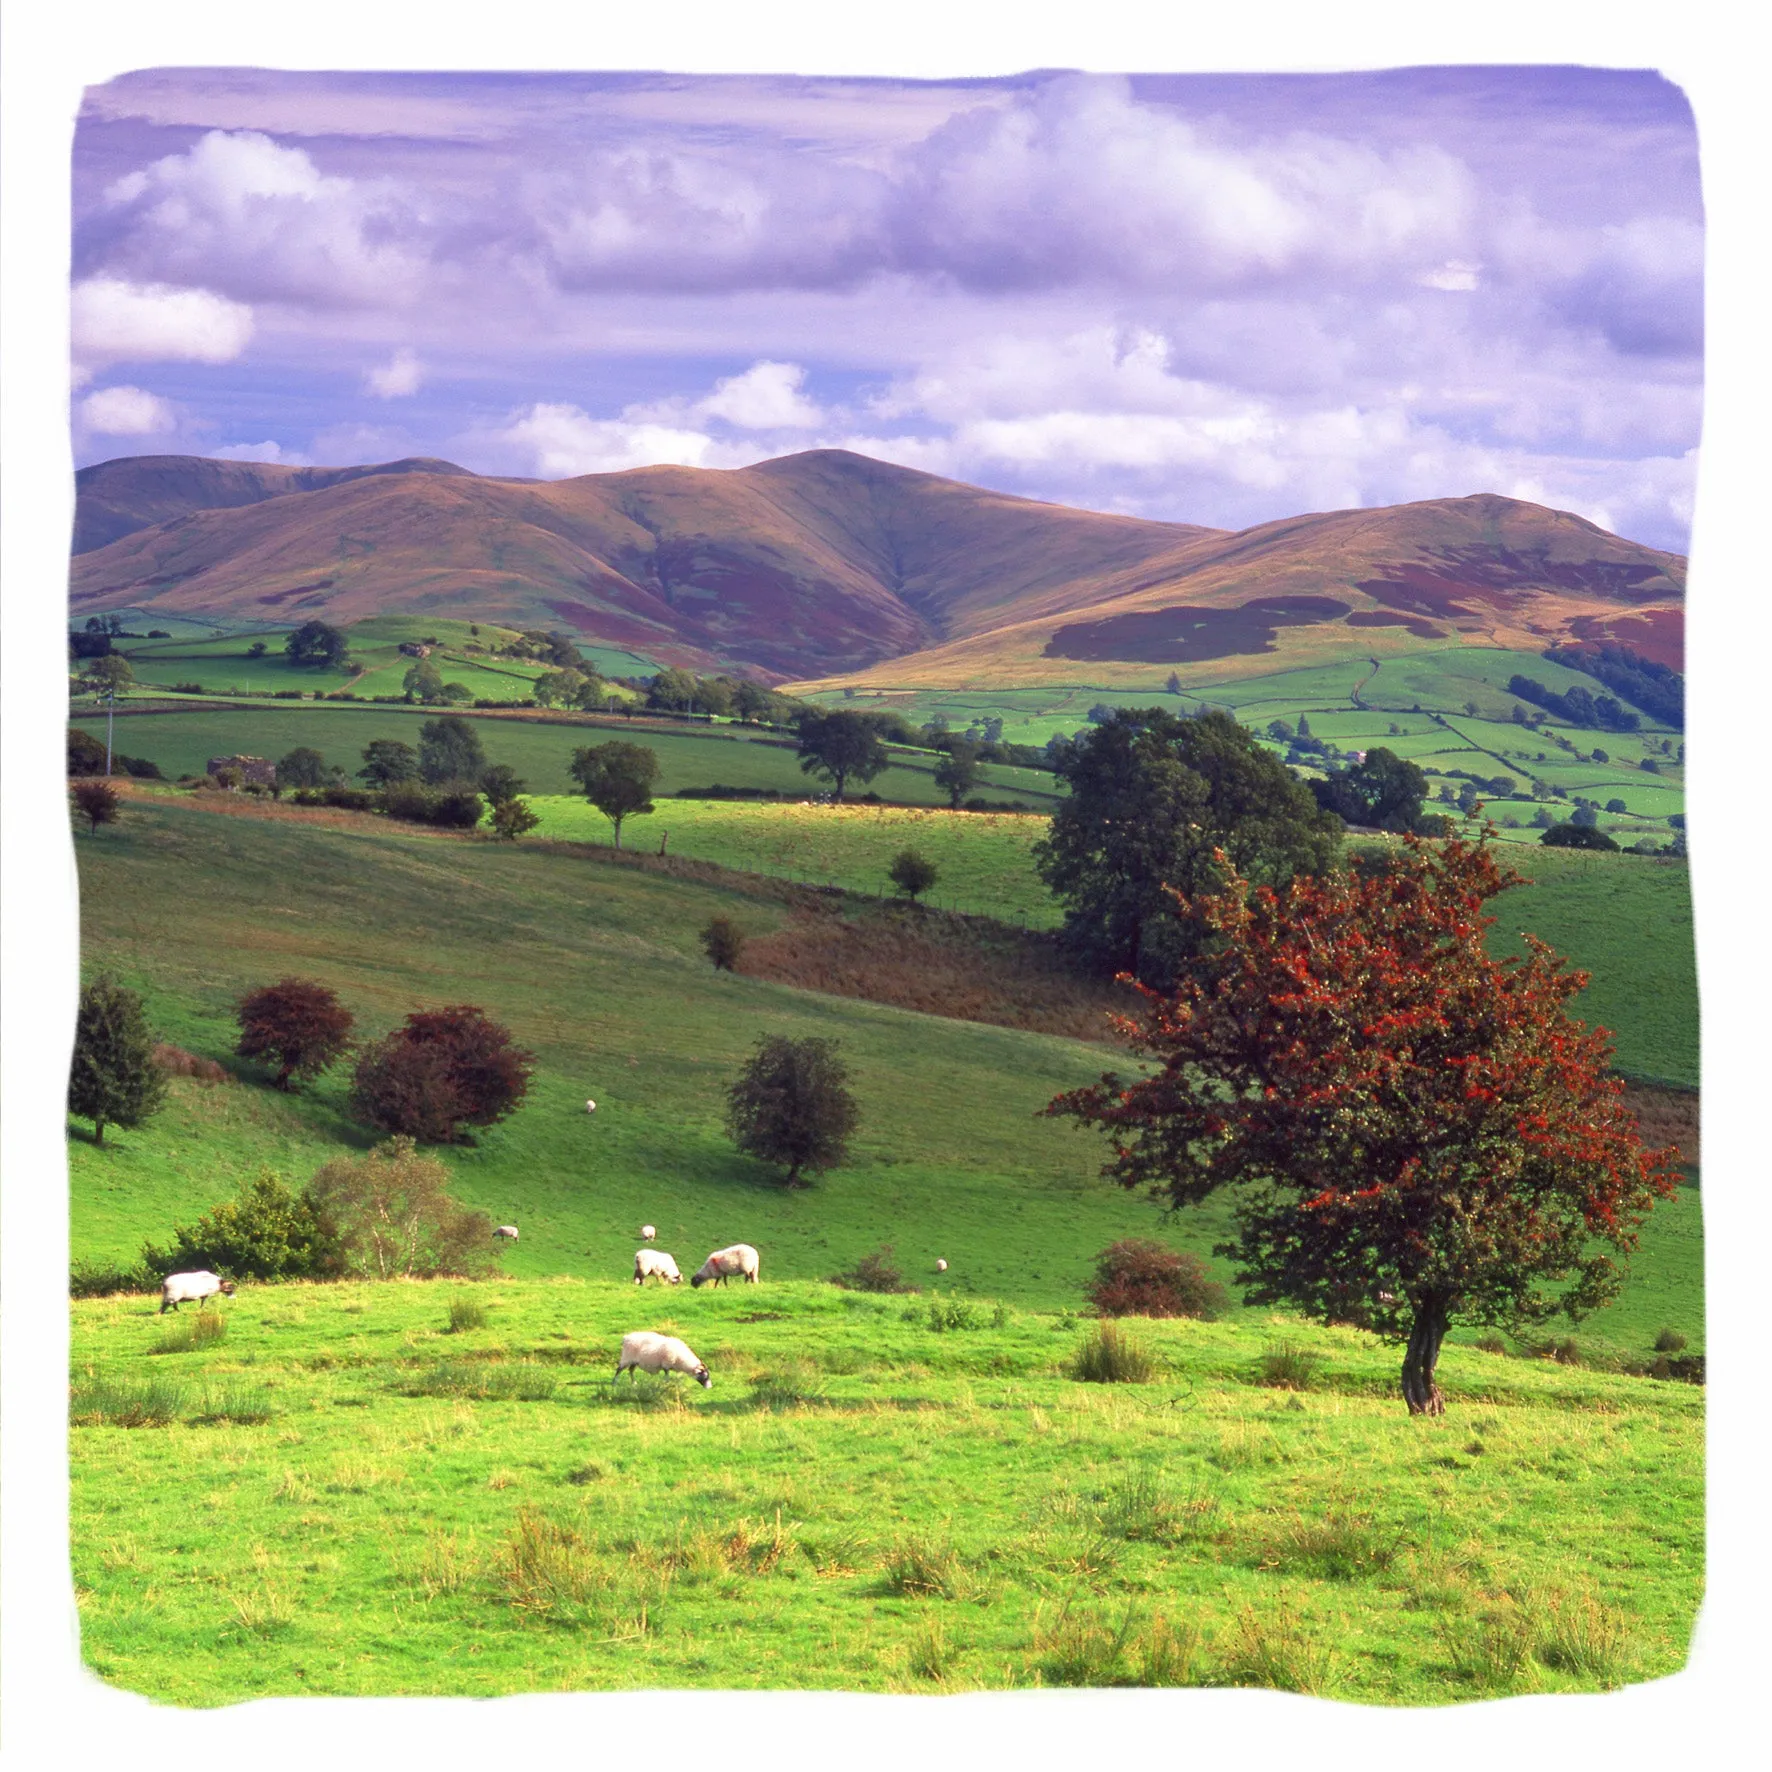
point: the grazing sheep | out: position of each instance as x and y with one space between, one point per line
508 1231
202 1286
719 1267
941 1267
645 1350
655 1264
648 1232
590 1107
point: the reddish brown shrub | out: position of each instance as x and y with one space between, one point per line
1140 1278
445 1069
299 1025
175 1061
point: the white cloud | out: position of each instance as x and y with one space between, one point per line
401 375
561 441
1454 274
766 397
266 451
116 321
127 412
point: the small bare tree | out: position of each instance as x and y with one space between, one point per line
394 1213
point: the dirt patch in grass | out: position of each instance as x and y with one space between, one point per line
1666 1116
952 966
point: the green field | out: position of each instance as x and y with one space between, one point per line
860 1502
540 750
371 1505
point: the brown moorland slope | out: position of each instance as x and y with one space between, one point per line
829 567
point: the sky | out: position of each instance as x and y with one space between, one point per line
1216 299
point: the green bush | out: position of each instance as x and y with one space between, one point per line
722 941
266 1232
466 1314
873 1273
952 1313
105 1279
1670 1341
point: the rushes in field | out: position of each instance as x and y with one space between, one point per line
1338 1546
120 1402
446 1565
1271 1650
188 1334
931 1655
1491 1650
265 1614
465 1314
921 1568
787 1387
552 1574
1287 1368
233 1400
1140 1509
1108 1355
1584 1638
516 1381
1086 1650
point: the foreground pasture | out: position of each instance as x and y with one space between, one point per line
878 1494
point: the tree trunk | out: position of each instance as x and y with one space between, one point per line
98 1132
1423 1354
617 823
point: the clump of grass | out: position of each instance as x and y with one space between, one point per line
465 1314
1108 1355
1272 1650
236 1401
1287 1368
446 1565
1586 1639
1087 1650
952 1313
1670 1341
1140 1509
921 1568
1340 1546
585 1473
265 1614
553 1574
188 1334
786 1387
931 1656
1490 1344
1492 1650
120 1402
758 1548
516 1381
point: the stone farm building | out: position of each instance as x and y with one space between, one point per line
250 768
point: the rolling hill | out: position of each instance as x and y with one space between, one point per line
830 568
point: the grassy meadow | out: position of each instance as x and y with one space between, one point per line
345 1496
381 1489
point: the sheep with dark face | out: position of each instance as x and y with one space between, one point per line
719 1267
646 1350
175 1289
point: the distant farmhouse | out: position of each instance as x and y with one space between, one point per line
248 768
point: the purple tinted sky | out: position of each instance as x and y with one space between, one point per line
1213 298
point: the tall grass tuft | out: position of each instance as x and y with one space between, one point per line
1140 1509
921 1568
554 1575
1287 1368
1338 1546
1492 1650
234 1400
1271 1650
1670 1341
465 1314
786 1387
1086 1650
187 1335
121 1402
1584 1638
516 1381
1108 1355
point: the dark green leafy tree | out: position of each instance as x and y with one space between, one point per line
511 818
268 1231
449 750
500 783
722 941
673 691
422 682
86 754
558 688
912 873
617 779
1152 798
114 1079
791 1106
957 772
387 760
1384 792
1577 836
111 672
303 767
840 747
315 643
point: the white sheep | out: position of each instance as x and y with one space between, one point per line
590 1107
941 1267
507 1231
655 1264
648 1232
719 1267
202 1286
645 1350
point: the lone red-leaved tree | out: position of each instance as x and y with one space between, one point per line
298 1024
1421 1130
